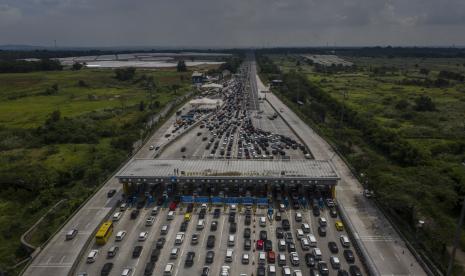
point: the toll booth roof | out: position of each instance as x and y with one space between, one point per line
304 169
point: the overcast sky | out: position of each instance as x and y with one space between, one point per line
232 23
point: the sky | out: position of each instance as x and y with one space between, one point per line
232 23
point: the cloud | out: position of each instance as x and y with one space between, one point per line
9 15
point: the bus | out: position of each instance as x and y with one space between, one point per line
104 233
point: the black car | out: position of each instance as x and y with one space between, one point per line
323 268
354 270
209 257
202 214
279 233
333 247
288 237
261 270
134 214
140 204
268 245
333 212
160 243
290 247
316 211
106 269
309 260
232 227
211 241
277 217
349 256
190 207
183 227
295 205
111 193
149 267
247 244
205 271
216 213
247 233
232 217
248 219
155 255
137 250
214 225
189 258
322 231
342 272
263 235
285 224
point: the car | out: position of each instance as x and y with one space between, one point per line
247 232
143 236
282 245
126 272
294 257
232 217
345 242
183 227
71 234
111 193
277 216
305 227
248 219
333 247
354 270
271 257
106 269
224 270
232 227
210 241
112 251
195 239
339 226
120 235
333 212
263 235
149 221
322 231
268 245
309 260
216 213
316 211
137 250
189 259
179 238
209 257
288 237
286 271
290 247
298 216
335 262
214 226
245 258
279 232
160 243
259 244
134 214
261 270
205 271
155 255
323 268
151 147
342 272
149 267
349 256
247 244
285 224
322 221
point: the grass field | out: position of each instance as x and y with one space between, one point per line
36 172
385 91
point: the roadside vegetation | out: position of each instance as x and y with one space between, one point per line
62 133
400 124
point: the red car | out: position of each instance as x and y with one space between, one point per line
271 257
259 245
173 206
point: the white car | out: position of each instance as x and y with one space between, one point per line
286 271
150 220
126 272
143 236
294 258
179 238
298 216
335 263
120 235
224 270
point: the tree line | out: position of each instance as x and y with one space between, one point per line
22 66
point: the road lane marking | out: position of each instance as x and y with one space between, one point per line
381 255
62 259
49 259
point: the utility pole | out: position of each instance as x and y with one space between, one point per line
457 237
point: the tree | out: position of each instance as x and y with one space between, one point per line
181 67
175 87
141 106
402 104
424 103
424 71
124 74
77 66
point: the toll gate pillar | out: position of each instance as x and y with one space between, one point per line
333 191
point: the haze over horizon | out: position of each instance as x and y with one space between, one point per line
221 23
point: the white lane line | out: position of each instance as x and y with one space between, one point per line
49 259
381 255
87 225
221 236
62 259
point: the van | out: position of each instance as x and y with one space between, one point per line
170 215
261 257
200 224
174 253
299 233
71 234
187 216
312 240
229 255
262 221
322 221
168 269
155 211
117 216
317 254
120 235
305 244
149 221
305 227
231 240
92 256
164 229
179 238
112 251
345 241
